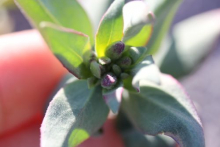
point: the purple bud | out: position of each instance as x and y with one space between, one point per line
96 69
108 81
118 47
124 62
115 50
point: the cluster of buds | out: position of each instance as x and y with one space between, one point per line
107 70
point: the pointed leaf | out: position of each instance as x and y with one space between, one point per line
146 70
185 53
137 23
111 28
164 11
38 12
164 109
67 13
70 47
95 9
113 97
74 114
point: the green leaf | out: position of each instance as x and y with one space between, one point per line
74 114
72 48
184 53
146 70
164 11
111 28
164 109
113 97
137 23
133 138
67 13
95 9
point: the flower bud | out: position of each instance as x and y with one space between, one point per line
96 69
116 69
124 75
104 60
108 81
115 50
124 62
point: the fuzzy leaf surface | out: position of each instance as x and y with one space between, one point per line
137 23
110 28
134 138
164 109
74 114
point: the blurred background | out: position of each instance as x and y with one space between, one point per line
200 78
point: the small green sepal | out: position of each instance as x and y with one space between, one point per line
104 60
96 69
116 69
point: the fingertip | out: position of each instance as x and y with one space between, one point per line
28 74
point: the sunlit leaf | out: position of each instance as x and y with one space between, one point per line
67 13
164 11
164 109
74 114
72 48
110 28
95 9
137 23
